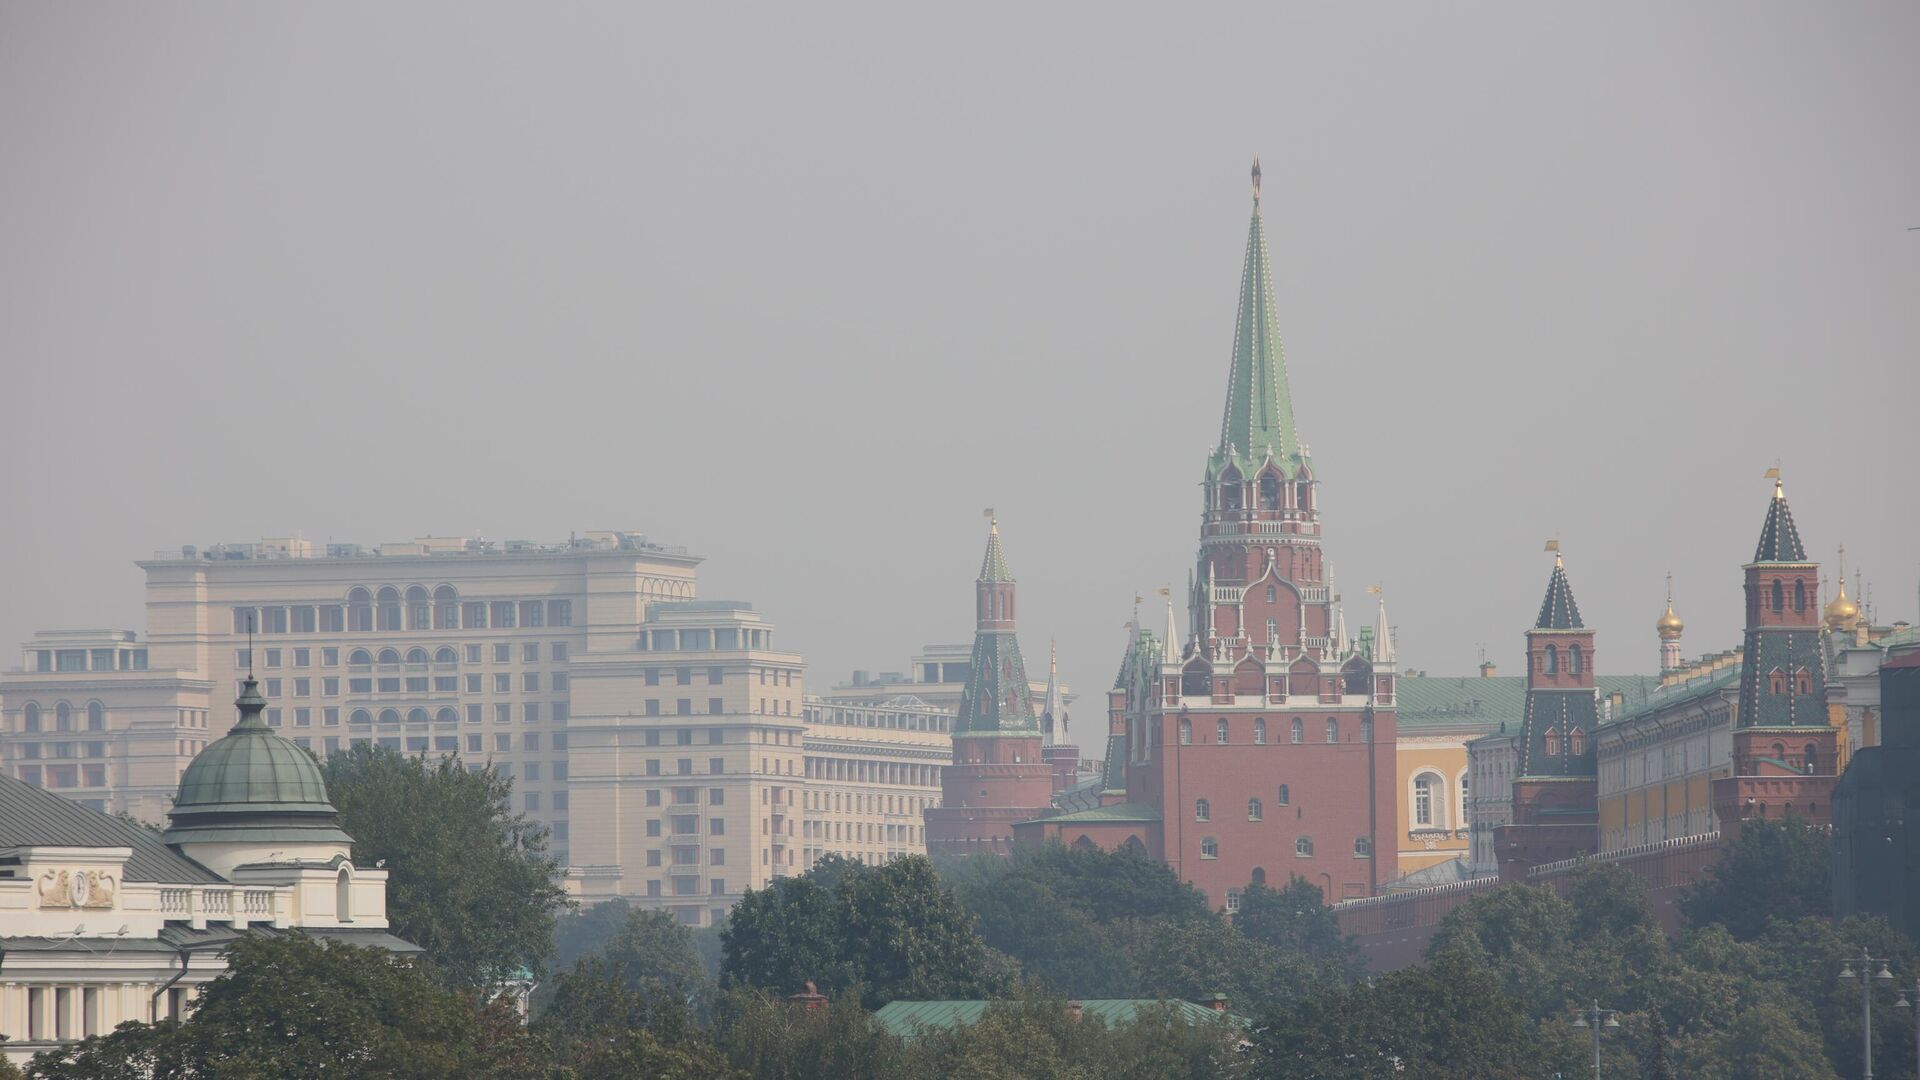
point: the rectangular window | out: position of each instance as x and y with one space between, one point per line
474 685
683 676
503 713
559 770
242 660
102 660
303 688
652 707
416 684
559 799
302 657
561 712
653 887
416 744
446 744
273 688
686 796
653 767
474 745
715 736
561 682
716 766
446 684
532 771
273 620
503 742
331 715
330 657
530 652
303 718
653 829
715 706
559 648
330 686
303 620
726 639
653 676
559 613
333 619
503 615
684 766
532 613
360 686
530 712
683 736
473 654
473 714
273 658
243 620
683 707
717 826
389 685
533 801
502 683
530 681
653 796
530 741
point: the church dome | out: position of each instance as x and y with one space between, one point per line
252 785
1670 625
1842 613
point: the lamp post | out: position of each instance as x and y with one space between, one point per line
1867 978
1903 1003
1596 1018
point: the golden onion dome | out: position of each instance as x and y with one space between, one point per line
1842 613
1669 627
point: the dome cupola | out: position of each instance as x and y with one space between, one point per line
253 795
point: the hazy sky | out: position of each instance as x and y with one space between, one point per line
805 287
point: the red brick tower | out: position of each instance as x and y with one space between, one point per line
999 775
1267 742
1784 748
1555 790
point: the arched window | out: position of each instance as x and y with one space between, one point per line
1779 596
1186 732
1298 731
1463 798
1423 800
359 608
1802 681
1269 492
388 604
96 716
1209 848
1553 743
1303 847
1202 810
343 895
445 655
389 716
1259 875
1333 730
30 717
359 658
446 608
360 716
1362 848
416 655
1777 681
389 656
63 717
1273 594
1282 799
1576 742
1779 751
1574 659
446 715
1253 809
416 716
1550 661
1259 731
1220 731
1799 596
1812 759
419 615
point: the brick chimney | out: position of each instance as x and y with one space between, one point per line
810 999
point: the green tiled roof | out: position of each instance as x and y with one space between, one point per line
1127 811
1690 690
994 566
1258 420
906 1018
1474 703
1779 539
252 785
1557 609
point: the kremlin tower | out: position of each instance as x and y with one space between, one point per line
1555 787
999 773
1784 749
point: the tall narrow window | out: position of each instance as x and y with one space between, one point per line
1283 796
1260 731
343 895
1333 730
1552 743
1253 809
1297 731
1423 801
1576 742
1779 596
1186 731
1574 659
1550 661
1220 732
1799 596
1202 810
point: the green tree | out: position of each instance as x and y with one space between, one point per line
1777 869
769 1038
599 1023
892 930
1763 1043
649 948
470 881
1295 920
1656 1063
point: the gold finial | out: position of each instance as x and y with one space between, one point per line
1779 489
1842 612
993 523
1256 179
1374 590
1669 627
1554 546
1053 662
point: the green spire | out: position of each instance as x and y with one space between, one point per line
1259 414
994 566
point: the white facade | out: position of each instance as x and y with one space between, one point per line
872 771
1492 761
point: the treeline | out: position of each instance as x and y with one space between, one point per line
1750 991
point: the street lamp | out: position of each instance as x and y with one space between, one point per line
1867 978
1903 1003
1597 1018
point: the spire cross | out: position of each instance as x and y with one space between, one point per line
993 522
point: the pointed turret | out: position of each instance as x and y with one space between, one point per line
998 697
1258 421
1779 539
1170 650
1557 609
1382 636
1053 713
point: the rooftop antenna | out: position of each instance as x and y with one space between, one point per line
249 644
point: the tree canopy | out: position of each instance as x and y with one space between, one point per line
470 881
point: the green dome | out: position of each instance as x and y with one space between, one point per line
253 785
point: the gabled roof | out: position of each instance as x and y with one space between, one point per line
1557 609
1779 539
30 817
